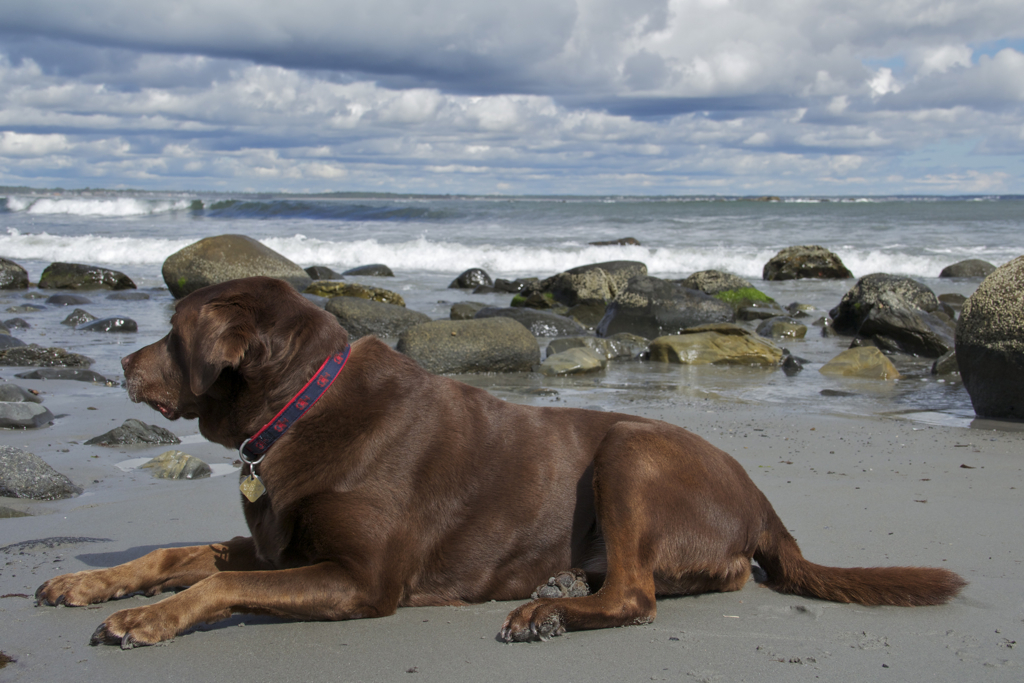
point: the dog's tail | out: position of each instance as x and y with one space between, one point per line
788 572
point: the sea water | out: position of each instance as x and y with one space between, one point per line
428 240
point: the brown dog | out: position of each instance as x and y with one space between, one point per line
399 487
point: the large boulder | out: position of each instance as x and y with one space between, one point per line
539 323
732 289
990 343
596 283
23 415
811 261
972 267
329 289
12 276
896 313
652 307
471 279
26 475
81 276
362 317
497 344
227 257
719 344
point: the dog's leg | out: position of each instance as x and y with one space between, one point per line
158 571
320 592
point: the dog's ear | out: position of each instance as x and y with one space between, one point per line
224 333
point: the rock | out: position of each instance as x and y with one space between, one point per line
77 317
12 276
21 415
782 327
362 317
636 344
14 394
798 310
720 344
9 342
759 310
17 324
128 296
497 344
133 432
26 475
946 364
990 343
113 324
539 323
715 281
574 361
513 286
178 465
67 300
329 289
73 374
589 315
652 307
322 273
26 308
227 257
465 310
11 513
621 242
791 365
471 279
81 276
880 289
909 331
864 361
812 261
970 268
609 349
596 283
37 356
369 270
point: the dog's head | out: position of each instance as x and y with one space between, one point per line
233 351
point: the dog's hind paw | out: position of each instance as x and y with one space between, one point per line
523 627
569 584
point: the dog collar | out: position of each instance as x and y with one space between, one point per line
255 447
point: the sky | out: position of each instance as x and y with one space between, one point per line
649 97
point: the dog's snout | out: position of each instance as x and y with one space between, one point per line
127 361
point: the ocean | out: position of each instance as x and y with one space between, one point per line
428 240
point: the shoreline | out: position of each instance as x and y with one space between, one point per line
854 490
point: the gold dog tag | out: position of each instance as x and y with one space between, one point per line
252 487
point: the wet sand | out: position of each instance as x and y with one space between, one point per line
853 490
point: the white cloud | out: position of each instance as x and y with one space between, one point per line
30 145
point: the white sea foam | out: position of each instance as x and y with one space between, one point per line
113 207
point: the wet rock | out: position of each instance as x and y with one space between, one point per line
133 432
67 300
38 356
880 289
792 365
128 296
362 317
732 289
513 286
178 465
465 310
908 331
329 289
595 283
652 307
322 273
21 415
720 344
864 361
990 343
760 310
26 308
782 327
113 324
573 361
227 257
811 261
621 242
26 475
636 344
9 342
14 394
969 268
370 270
12 276
11 513
74 374
589 315
78 317
497 344
539 323
946 364
17 324
82 276
471 279
609 349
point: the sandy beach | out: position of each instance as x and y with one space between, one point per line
854 491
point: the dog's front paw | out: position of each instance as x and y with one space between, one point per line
135 627
75 590
569 584
535 621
